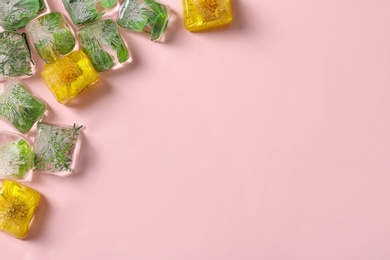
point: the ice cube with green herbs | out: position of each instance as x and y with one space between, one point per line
15 55
144 16
51 35
19 107
85 11
104 45
15 14
54 148
16 157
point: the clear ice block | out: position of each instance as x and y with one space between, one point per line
15 14
103 44
146 16
19 107
51 36
55 148
18 204
16 157
85 11
15 56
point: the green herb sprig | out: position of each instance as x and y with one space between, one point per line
19 107
16 56
54 147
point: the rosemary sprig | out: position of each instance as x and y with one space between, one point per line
54 147
15 54
19 106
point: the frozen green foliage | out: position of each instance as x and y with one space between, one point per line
19 107
101 59
15 56
46 50
42 4
51 21
52 36
15 159
15 14
54 147
144 15
64 41
86 11
103 44
107 4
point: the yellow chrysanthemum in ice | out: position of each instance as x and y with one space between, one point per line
206 14
69 76
17 208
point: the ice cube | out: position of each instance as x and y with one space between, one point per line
104 45
15 14
85 11
15 56
19 107
16 157
18 204
51 36
146 16
55 148
69 76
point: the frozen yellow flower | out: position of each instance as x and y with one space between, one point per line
206 14
69 75
17 208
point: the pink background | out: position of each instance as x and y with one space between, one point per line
268 139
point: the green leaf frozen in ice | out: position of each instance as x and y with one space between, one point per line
16 159
100 59
52 36
46 50
86 11
108 3
64 41
101 41
122 53
51 21
148 16
15 14
159 26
